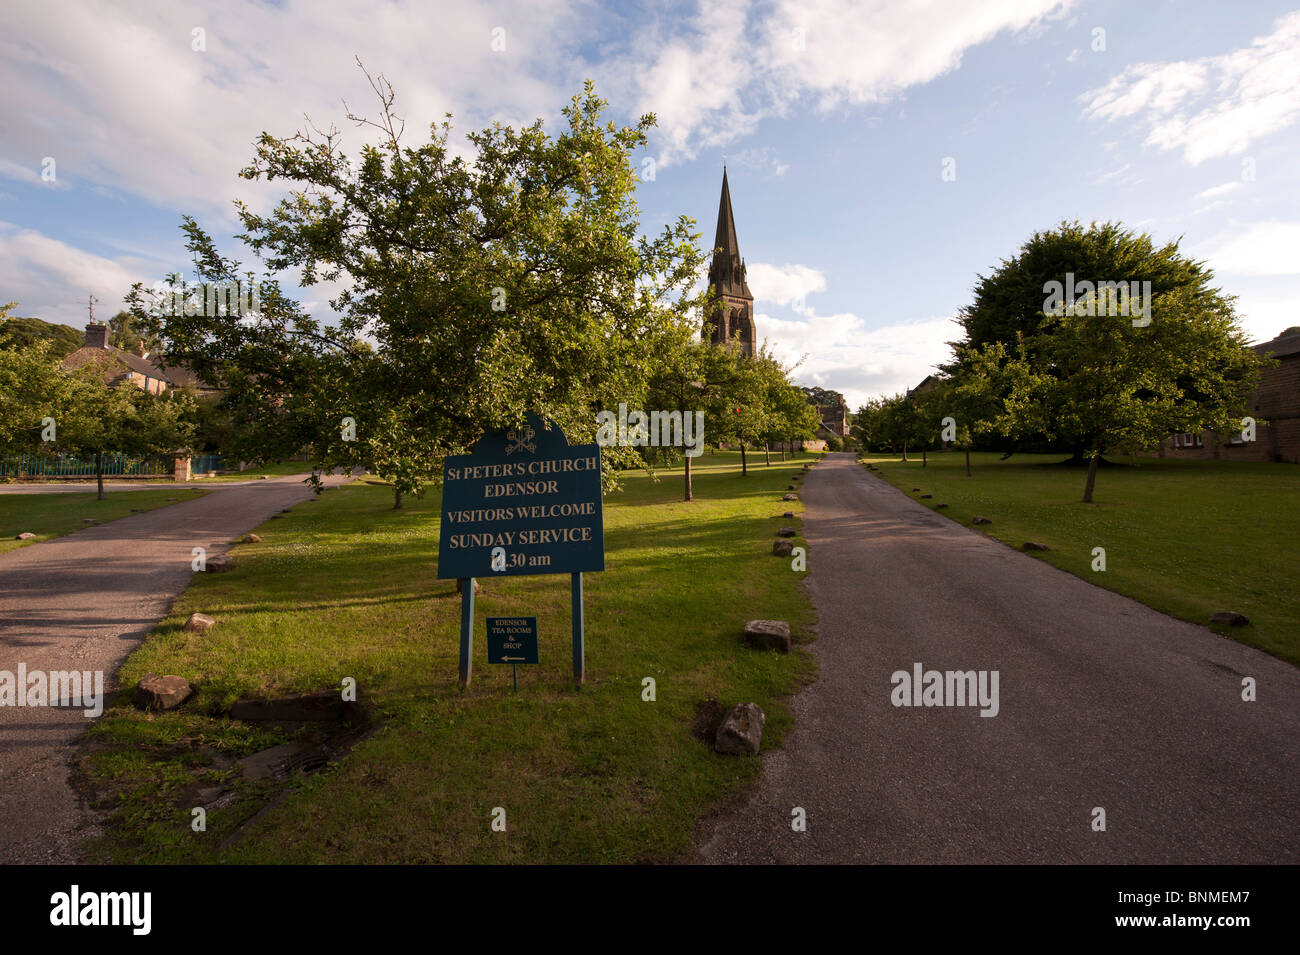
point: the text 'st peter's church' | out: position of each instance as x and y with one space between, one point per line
734 318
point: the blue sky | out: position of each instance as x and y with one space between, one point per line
835 117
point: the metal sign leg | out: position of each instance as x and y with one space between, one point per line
466 630
579 650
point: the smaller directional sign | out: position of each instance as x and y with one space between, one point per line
512 639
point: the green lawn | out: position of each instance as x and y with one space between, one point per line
345 586
279 469
1185 537
56 514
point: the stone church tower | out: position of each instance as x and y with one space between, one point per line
735 316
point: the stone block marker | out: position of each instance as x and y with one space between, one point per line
1031 545
941 504
926 496
199 623
219 564
790 497
785 532
162 692
768 634
1229 618
980 520
786 514
783 548
26 536
741 732
250 539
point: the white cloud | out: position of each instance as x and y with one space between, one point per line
860 362
761 159
117 96
1264 318
51 279
1214 106
1265 248
734 67
1215 191
784 284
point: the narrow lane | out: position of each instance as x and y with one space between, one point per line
1103 702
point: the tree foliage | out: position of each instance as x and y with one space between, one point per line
474 289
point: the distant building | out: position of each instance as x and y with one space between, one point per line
119 366
835 417
1276 400
735 318
926 385
145 372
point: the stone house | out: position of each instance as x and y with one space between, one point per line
119 366
1276 400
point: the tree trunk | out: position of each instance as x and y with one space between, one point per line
688 479
744 468
783 454
1092 477
99 472
923 461
767 449
968 462
397 498
904 451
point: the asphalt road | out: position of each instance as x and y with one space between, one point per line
83 602
1102 703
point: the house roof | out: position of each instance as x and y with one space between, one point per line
1280 347
184 377
125 359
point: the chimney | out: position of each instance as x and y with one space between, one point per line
96 335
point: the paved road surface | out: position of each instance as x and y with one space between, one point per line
1103 702
84 602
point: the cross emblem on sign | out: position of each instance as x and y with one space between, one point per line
521 440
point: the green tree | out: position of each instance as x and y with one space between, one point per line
34 390
792 416
973 398
47 409
509 281
123 334
743 389
17 332
97 418
692 378
1010 303
1124 387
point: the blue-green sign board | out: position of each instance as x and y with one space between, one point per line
524 502
512 639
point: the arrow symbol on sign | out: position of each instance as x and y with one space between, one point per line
508 659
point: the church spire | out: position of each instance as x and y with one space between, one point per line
726 237
728 268
733 317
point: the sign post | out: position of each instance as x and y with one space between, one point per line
512 640
579 638
524 501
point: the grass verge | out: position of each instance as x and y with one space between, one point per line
345 586
279 469
1187 538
